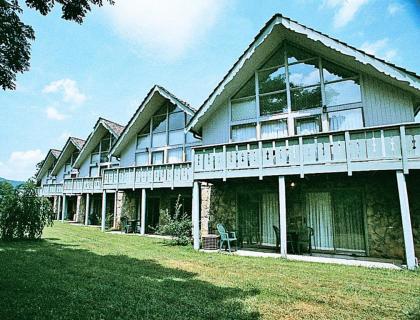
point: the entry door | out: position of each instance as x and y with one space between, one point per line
269 218
320 219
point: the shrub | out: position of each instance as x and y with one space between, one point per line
177 226
23 215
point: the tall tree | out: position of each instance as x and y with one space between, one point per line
16 37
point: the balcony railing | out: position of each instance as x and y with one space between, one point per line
376 148
80 185
154 176
53 189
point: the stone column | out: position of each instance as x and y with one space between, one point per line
196 214
119 205
78 203
205 208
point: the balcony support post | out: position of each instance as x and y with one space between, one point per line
87 209
282 216
64 213
103 218
143 212
406 222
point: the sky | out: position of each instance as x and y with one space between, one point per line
105 66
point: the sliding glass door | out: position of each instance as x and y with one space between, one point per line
337 218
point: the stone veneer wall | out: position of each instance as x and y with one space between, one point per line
381 205
81 208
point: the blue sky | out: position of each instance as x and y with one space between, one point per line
105 66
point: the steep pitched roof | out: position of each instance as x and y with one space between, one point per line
289 28
55 152
154 98
78 143
66 152
114 128
51 156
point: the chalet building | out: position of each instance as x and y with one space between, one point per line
307 145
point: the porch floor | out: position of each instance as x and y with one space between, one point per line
321 258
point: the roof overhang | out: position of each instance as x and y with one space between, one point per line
48 162
151 103
101 127
279 29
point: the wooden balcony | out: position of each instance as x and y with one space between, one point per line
52 189
393 147
153 176
82 185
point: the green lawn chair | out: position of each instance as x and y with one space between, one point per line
225 237
125 225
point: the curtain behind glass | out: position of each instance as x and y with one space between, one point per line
320 218
346 120
270 218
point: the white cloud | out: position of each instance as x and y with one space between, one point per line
346 10
54 114
166 28
380 49
394 8
69 90
21 164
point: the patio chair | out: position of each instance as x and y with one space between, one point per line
289 239
125 225
225 237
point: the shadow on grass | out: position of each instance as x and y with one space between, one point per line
44 280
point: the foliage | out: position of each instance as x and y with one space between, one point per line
23 215
16 37
177 226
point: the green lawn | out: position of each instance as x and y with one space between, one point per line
80 273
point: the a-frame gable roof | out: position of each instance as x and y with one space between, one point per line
51 156
154 99
280 28
66 152
92 140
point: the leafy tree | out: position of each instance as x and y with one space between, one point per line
16 37
23 215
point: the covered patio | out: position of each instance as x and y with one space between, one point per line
325 216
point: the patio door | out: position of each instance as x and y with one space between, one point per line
152 213
349 231
269 218
320 219
257 215
337 220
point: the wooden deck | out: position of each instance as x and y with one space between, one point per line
82 185
153 176
394 147
53 189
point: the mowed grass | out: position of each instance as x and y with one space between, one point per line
80 273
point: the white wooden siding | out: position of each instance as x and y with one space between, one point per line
216 129
385 104
84 168
128 155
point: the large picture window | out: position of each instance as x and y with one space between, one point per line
164 137
293 84
101 150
